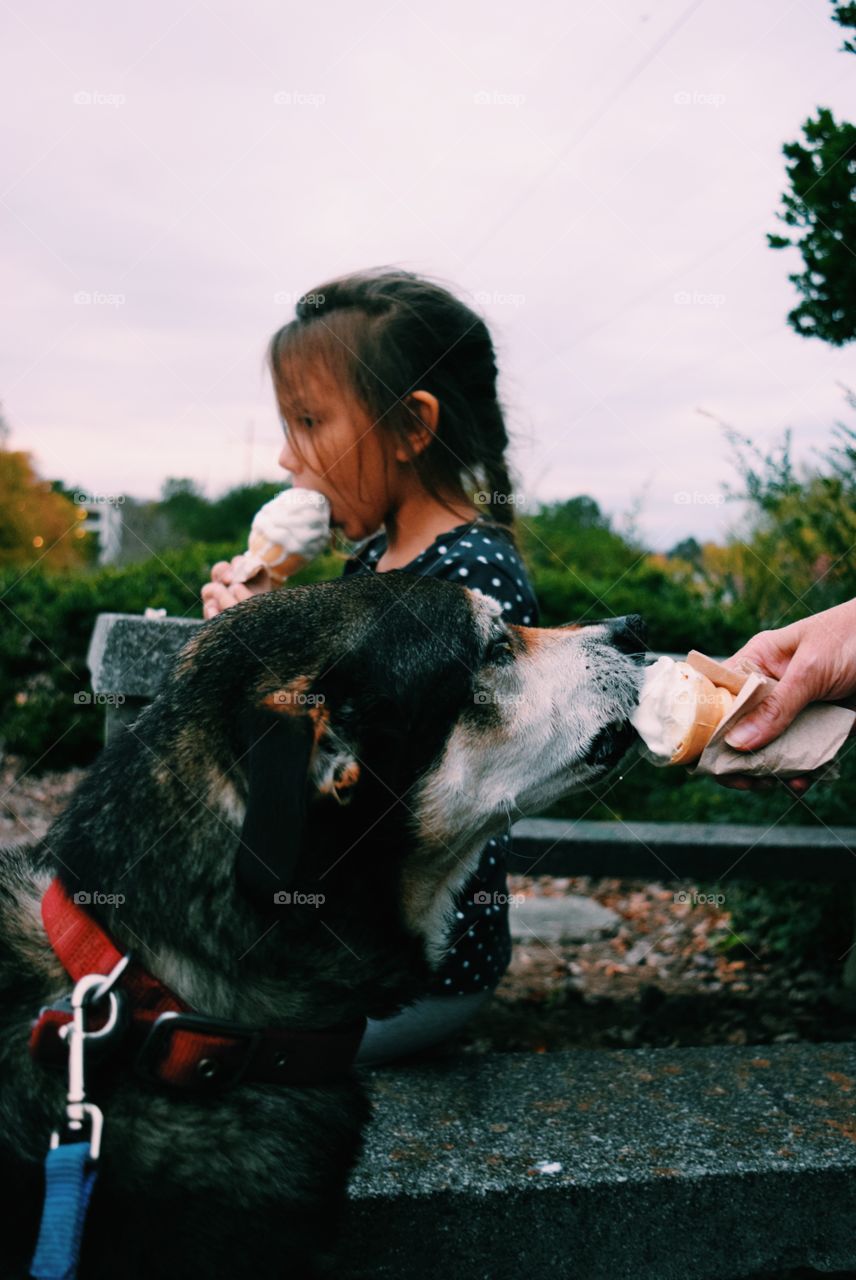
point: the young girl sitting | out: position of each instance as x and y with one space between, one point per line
386 384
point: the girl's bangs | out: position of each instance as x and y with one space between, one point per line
309 358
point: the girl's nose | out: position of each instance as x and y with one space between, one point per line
288 459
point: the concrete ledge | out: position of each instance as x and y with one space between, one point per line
648 1164
130 654
681 850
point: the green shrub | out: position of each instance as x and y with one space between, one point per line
46 623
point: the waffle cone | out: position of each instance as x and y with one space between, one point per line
712 705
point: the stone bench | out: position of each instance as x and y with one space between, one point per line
696 1164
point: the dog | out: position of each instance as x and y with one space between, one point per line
278 839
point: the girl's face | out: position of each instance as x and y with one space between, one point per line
332 447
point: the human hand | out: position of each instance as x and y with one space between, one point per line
814 660
221 592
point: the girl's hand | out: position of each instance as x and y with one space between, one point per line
221 591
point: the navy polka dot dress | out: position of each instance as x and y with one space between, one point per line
479 554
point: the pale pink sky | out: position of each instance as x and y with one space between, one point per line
598 181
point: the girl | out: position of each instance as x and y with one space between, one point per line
386 384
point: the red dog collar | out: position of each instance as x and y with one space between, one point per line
173 1044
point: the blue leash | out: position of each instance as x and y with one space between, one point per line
71 1167
69 1178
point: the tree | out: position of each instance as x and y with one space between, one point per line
845 16
797 552
194 518
689 549
821 208
36 523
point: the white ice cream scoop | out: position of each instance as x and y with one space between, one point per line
678 712
287 532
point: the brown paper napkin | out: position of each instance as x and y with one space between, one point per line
810 743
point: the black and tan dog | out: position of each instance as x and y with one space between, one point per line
278 839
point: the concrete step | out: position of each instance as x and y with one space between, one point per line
566 918
698 1164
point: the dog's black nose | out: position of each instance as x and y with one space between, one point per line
629 634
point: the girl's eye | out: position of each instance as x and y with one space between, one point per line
304 420
499 651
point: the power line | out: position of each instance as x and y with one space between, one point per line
578 339
593 119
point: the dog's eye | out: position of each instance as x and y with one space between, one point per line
499 650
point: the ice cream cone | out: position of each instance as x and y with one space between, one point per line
287 533
712 704
679 710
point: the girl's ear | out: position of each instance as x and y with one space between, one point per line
425 415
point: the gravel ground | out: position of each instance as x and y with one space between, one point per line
662 980
29 803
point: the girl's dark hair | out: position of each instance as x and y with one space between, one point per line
386 333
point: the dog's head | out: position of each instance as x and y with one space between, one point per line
394 712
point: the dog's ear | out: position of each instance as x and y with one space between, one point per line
273 834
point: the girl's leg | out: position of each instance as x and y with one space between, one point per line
424 1023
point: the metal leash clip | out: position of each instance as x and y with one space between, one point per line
91 988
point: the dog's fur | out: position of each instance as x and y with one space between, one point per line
432 721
